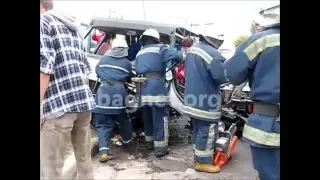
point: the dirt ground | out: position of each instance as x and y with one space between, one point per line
137 162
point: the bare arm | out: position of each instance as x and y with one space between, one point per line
44 82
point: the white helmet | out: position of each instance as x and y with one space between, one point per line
152 33
119 42
213 35
269 16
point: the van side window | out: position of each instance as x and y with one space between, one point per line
93 40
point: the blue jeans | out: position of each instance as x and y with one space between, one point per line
104 127
205 134
267 162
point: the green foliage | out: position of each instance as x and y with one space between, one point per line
240 40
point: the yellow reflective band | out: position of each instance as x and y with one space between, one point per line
203 54
200 113
149 50
261 44
148 138
163 143
201 153
155 99
261 137
210 140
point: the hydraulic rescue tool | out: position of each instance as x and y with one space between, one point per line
139 81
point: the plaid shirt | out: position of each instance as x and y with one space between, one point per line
63 56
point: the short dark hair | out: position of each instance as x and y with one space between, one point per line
47 4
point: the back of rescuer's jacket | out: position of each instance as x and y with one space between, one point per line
258 60
152 59
204 75
111 95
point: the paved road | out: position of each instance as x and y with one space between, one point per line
139 163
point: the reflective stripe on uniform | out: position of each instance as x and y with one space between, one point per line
261 44
200 113
126 142
149 50
103 148
148 138
164 143
261 137
155 99
205 153
209 147
203 54
257 175
211 134
114 67
110 107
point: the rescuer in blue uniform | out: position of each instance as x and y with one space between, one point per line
113 69
202 97
258 60
151 63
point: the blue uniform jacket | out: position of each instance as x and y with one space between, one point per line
133 51
110 98
258 60
154 58
204 74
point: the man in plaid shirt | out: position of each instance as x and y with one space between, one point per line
65 96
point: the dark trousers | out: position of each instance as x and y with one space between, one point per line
156 127
267 162
104 126
205 134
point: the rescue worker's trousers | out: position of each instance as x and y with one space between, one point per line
104 126
55 135
156 127
267 162
205 134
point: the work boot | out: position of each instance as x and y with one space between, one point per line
104 157
209 168
149 145
128 144
161 155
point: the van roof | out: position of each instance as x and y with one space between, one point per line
111 24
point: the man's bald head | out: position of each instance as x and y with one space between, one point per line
46 5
